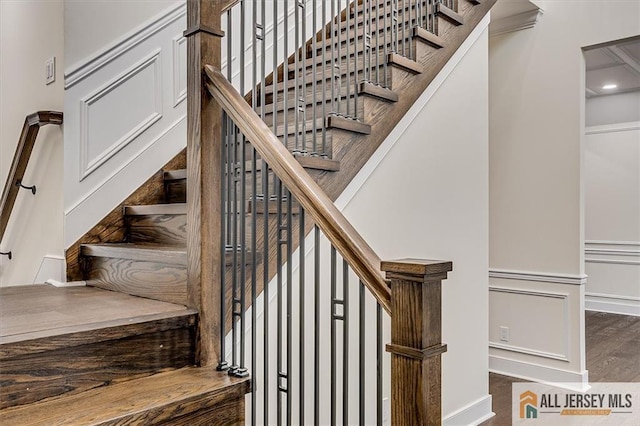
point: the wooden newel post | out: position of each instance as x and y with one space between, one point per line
204 183
416 334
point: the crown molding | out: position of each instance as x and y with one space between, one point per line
517 22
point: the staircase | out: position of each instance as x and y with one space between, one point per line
150 360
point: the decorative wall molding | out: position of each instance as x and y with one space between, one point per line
82 70
527 351
179 70
578 381
615 304
89 165
520 21
538 276
473 414
564 326
613 128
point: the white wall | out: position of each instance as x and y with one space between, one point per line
536 205
30 33
434 177
613 109
612 214
431 194
125 115
91 25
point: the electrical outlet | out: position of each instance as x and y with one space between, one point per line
50 70
504 334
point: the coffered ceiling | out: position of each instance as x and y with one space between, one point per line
612 65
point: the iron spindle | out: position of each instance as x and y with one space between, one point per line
333 337
345 343
289 200
379 364
316 332
301 270
361 352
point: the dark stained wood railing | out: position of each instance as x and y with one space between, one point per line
344 237
27 141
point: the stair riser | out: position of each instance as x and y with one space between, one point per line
153 280
176 191
34 377
159 229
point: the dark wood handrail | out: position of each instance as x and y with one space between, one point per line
347 241
32 125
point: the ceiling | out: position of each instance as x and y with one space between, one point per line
614 64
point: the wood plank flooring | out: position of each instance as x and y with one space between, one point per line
613 355
48 310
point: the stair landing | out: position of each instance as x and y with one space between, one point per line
63 341
40 311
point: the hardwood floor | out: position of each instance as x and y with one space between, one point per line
613 355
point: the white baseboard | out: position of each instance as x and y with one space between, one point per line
473 414
578 381
612 304
51 268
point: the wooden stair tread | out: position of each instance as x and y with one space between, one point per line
34 312
428 37
395 59
348 124
166 209
318 163
155 399
142 252
175 174
449 14
378 92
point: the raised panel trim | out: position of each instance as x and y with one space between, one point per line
565 325
88 166
85 68
613 128
613 303
538 276
179 93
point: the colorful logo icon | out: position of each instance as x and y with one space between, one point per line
528 405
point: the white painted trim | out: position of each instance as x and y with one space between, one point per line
538 276
528 351
612 243
612 261
473 414
612 252
178 94
61 284
615 304
89 166
367 170
613 128
578 381
51 267
565 325
115 172
88 66
517 22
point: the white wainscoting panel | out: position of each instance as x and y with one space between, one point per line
124 118
544 314
140 89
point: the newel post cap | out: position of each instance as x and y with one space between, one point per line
420 270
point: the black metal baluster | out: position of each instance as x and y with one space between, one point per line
361 352
379 363
333 337
345 343
302 271
316 332
289 201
